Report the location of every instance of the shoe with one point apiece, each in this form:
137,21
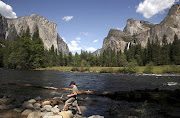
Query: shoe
79,113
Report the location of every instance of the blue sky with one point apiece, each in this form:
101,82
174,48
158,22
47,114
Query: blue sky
85,23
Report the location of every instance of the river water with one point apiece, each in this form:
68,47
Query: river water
84,81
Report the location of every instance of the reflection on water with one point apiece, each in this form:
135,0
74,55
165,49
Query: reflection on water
84,81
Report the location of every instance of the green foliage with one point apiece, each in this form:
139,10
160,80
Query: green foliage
149,68
171,69
28,52
24,53
143,110
132,67
75,69
107,70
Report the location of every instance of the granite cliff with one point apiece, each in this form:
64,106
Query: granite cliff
10,28
137,32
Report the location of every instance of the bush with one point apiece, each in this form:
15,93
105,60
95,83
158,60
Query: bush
108,70
75,69
121,70
149,68
132,67
171,69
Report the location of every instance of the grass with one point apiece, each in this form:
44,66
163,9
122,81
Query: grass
156,69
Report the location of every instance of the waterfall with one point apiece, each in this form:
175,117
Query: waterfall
128,45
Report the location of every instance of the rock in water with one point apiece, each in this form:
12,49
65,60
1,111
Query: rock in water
46,103
27,105
66,114
26,112
32,101
5,107
37,106
18,109
55,110
47,108
96,116
47,30
5,101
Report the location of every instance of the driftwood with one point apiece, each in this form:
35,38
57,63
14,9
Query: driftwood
52,88
136,95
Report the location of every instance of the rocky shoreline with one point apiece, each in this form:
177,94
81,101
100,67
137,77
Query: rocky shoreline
38,108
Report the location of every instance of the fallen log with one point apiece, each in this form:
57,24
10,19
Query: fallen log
154,95
52,88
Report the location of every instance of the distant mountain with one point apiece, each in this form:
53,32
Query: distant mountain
137,32
10,28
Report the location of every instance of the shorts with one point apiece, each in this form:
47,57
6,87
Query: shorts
72,101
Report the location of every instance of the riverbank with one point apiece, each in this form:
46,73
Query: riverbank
10,107
167,69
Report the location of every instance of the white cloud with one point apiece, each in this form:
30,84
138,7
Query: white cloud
95,41
151,7
6,10
78,39
84,33
74,45
67,18
91,49
64,39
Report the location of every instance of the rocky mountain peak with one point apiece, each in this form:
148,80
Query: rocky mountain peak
173,17
135,27
146,24
137,32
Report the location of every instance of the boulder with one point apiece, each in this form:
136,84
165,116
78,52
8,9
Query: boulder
47,108
32,101
132,117
55,116
27,105
66,114
37,106
38,98
96,116
18,109
55,110
5,107
26,112
5,100
36,114
46,103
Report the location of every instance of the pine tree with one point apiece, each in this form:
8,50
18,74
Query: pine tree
175,51
165,58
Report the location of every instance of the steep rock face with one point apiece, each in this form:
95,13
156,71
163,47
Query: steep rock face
62,46
3,26
116,40
135,27
137,32
97,52
47,31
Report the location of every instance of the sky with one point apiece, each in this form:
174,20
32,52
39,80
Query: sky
83,24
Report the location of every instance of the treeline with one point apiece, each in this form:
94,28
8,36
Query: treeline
24,52
27,52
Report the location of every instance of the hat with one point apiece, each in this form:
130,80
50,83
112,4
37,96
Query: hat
72,82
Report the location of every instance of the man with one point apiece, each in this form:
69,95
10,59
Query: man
72,97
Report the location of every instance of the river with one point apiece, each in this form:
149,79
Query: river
84,81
